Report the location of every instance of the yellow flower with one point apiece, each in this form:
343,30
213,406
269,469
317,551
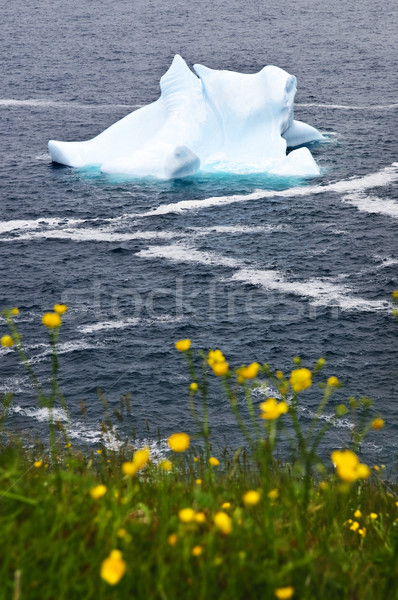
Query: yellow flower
38,464
362,531
284,593
279,374
373,516
357,514
121,532
214,461
195,458
251,498
272,410
376,468
141,458
377,424
129,468
395,294
321,361
273,494
166,465
333,381
15,311
249,372
223,522
193,387
348,467
51,320
113,568
200,517
354,526
172,539
7,341
226,505
179,442
98,491
215,356
183,345
197,550
300,379
60,308
220,368
186,515
99,451
198,482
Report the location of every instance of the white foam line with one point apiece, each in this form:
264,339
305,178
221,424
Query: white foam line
380,178
236,229
93,235
320,292
347,106
128,322
43,103
27,224
372,204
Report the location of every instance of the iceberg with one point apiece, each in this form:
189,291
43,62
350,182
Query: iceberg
210,120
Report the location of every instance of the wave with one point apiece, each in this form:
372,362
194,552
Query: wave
93,433
27,224
47,103
372,204
93,235
347,106
356,184
129,322
319,291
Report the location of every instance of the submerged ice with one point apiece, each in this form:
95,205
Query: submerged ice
217,121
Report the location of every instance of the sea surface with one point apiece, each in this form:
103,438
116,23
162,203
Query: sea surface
261,267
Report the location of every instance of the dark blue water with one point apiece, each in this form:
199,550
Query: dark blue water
279,273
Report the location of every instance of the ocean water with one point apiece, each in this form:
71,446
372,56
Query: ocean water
263,268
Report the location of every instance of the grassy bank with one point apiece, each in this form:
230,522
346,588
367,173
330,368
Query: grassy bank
201,523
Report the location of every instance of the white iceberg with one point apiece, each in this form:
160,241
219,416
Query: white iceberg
217,121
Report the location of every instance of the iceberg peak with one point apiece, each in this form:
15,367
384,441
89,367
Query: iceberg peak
212,120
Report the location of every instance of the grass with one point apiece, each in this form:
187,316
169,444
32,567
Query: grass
307,530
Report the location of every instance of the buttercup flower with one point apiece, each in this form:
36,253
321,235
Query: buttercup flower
395,294
113,568
357,514
172,539
333,381
251,498
377,424
197,550
38,464
272,410
51,320
7,341
284,593
215,356
300,379
200,517
98,491
354,526
183,345
273,494
373,515
129,468
249,372
141,458
223,522
193,387
60,308
226,505
166,465
186,515
15,311
214,461
348,467
179,442
220,368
